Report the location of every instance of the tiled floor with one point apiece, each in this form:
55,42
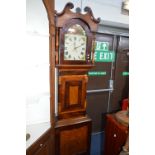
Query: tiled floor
97,143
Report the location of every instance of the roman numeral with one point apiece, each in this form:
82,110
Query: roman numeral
66,53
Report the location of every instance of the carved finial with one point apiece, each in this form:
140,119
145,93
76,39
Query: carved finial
78,10
88,10
68,6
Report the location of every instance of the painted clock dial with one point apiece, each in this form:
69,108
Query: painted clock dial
75,43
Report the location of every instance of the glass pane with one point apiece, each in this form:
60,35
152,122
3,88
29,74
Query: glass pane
76,29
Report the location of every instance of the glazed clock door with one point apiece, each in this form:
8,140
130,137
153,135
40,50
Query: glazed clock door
76,42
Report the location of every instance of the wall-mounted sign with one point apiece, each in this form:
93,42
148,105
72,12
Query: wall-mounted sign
102,46
125,73
102,53
104,56
97,73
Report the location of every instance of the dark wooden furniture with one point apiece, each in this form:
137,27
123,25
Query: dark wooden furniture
73,136
115,136
42,146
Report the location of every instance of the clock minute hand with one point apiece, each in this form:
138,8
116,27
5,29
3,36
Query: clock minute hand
77,47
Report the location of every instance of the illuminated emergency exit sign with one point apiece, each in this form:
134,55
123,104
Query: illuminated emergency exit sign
102,46
102,53
125,73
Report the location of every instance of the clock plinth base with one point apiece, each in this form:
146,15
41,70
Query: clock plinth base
73,136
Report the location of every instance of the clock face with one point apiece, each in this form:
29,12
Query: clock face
75,47
75,44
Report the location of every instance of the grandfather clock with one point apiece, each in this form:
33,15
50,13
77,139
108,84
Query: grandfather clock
75,42
74,56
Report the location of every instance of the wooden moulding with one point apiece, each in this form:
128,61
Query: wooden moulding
72,72
75,66
49,5
71,121
67,14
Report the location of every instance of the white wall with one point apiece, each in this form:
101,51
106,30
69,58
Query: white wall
37,79
36,17
37,69
37,56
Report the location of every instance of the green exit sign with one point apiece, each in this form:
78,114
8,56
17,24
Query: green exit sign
104,56
102,53
102,46
125,73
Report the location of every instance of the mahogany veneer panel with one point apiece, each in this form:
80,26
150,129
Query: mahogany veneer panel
73,136
72,95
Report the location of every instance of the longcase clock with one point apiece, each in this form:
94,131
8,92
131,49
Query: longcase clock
75,38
